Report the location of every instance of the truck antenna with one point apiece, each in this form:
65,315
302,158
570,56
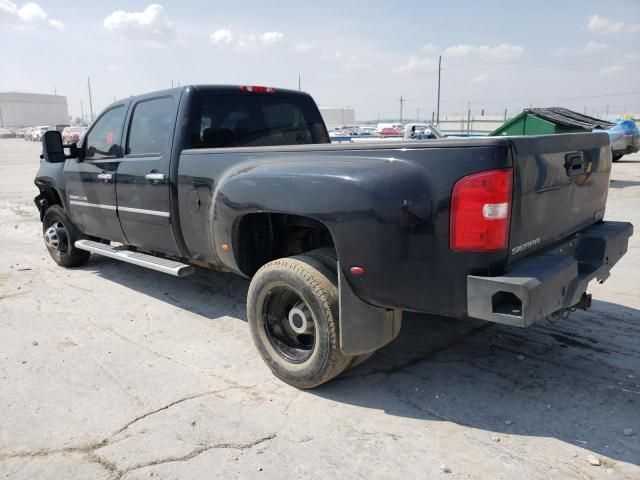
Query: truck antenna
438,103
90,99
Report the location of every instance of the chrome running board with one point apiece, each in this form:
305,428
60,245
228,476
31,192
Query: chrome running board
158,264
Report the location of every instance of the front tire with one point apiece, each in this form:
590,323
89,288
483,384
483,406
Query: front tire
292,307
616,156
60,237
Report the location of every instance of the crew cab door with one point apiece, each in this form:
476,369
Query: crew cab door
143,183
90,180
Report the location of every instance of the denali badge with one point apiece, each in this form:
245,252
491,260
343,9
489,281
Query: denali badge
524,246
77,197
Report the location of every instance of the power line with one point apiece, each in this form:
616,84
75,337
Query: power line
619,94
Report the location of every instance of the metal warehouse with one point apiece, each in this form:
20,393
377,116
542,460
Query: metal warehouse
31,109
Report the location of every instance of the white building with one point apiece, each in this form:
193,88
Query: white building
338,117
31,109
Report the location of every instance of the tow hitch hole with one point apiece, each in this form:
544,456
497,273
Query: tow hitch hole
506,303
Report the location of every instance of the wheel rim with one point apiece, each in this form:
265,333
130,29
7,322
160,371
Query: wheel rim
56,238
289,324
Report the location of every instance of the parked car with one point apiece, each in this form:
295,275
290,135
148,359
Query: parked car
625,138
338,240
21,132
72,134
422,131
37,132
391,132
6,133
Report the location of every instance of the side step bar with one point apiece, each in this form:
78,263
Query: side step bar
158,264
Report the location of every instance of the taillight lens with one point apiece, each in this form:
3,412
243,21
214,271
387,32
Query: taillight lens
480,212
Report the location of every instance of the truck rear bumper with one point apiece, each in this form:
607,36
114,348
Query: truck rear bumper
549,281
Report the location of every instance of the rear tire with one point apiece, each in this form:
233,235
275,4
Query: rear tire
60,236
277,291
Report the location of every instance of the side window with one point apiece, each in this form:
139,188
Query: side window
104,139
151,127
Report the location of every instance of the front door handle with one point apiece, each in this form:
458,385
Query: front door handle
155,176
105,176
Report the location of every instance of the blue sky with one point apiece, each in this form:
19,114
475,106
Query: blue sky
361,54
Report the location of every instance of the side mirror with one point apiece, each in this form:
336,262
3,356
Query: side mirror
52,149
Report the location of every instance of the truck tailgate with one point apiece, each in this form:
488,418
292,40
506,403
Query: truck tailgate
560,187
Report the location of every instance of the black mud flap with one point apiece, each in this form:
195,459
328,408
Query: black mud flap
364,328
555,279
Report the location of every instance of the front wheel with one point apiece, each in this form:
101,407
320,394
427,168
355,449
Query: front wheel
292,307
616,156
59,238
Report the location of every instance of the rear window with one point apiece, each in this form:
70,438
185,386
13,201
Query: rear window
240,119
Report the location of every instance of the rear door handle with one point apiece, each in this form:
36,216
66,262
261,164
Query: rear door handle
155,176
105,176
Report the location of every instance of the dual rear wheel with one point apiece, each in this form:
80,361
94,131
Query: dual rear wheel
293,314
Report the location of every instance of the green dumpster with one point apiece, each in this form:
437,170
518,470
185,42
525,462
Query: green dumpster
547,121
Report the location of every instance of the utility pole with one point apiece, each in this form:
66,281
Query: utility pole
607,110
90,100
401,105
55,90
172,83
505,114
82,112
438,104
299,83
468,117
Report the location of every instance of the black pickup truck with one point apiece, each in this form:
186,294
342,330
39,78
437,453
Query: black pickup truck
338,240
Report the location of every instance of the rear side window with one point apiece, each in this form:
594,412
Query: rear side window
248,119
104,139
151,127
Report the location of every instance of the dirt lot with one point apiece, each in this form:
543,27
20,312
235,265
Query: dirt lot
113,371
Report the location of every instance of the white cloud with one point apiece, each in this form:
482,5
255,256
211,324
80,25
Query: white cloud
482,78
222,36
271,37
611,70
225,37
503,51
29,14
302,47
429,48
8,7
57,24
32,12
588,48
598,24
151,26
416,64
592,47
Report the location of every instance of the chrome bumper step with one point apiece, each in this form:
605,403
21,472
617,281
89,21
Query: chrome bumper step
123,254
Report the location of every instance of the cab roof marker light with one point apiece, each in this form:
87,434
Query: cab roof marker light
257,89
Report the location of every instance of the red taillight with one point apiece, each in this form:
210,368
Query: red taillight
480,212
257,89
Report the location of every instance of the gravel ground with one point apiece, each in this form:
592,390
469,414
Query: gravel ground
114,372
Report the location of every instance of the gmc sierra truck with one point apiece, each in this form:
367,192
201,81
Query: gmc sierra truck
338,240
